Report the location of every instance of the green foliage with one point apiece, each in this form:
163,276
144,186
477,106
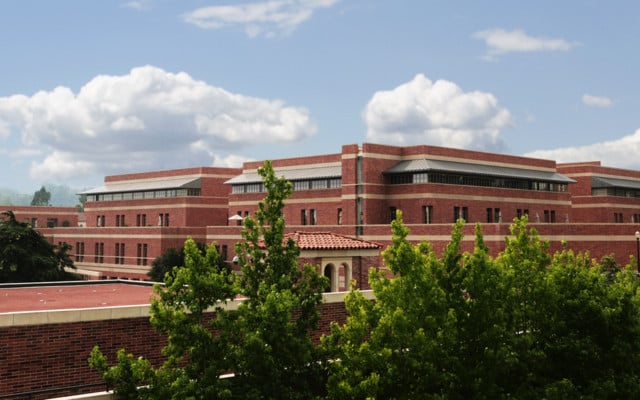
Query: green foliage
172,258
27,256
41,197
125,376
525,325
275,355
265,343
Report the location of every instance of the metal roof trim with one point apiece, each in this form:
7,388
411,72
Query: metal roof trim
603,182
290,174
161,184
476,169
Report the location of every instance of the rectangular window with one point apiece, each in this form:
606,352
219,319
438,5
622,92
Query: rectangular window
392,213
138,219
117,253
546,216
144,253
497,214
313,220
339,216
553,216
489,215
319,184
460,213
139,254
427,214
303,217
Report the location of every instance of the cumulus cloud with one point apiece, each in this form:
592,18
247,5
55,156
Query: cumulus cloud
500,41
596,101
268,18
621,153
437,113
148,118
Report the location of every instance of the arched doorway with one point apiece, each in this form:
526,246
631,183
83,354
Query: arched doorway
331,274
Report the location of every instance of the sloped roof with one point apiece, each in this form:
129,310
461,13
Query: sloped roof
155,184
605,182
424,165
329,241
330,171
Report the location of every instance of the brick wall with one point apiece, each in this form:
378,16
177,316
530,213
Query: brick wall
49,356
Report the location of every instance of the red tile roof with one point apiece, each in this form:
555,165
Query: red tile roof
329,241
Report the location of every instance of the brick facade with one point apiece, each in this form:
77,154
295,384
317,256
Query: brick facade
361,206
43,356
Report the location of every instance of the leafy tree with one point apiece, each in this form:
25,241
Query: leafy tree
265,343
172,258
525,325
27,256
41,197
274,354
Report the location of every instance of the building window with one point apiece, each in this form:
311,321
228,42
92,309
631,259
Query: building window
392,214
303,217
635,218
313,217
119,256
142,253
547,216
521,212
427,214
494,215
163,219
120,220
460,213
339,216
618,217
99,252
80,251
141,220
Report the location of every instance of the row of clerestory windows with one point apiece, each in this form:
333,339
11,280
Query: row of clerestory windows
476,180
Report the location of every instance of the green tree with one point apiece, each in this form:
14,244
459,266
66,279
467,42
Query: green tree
265,343
172,258
525,325
271,343
41,197
27,256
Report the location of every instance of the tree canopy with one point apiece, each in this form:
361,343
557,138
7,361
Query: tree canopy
41,197
525,324
27,256
265,343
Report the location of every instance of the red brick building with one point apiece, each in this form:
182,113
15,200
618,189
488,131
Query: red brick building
42,217
355,193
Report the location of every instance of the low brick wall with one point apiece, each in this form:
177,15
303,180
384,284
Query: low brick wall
47,350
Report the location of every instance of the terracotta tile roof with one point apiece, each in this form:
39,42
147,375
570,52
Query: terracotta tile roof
329,241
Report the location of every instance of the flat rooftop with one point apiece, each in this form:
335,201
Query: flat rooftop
73,295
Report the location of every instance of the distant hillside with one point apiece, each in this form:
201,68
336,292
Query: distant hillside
61,195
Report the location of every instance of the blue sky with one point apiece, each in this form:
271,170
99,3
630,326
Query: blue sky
95,88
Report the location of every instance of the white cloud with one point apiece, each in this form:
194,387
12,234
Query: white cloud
146,119
267,18
501,41
437,113
621,153
596,101
140,5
